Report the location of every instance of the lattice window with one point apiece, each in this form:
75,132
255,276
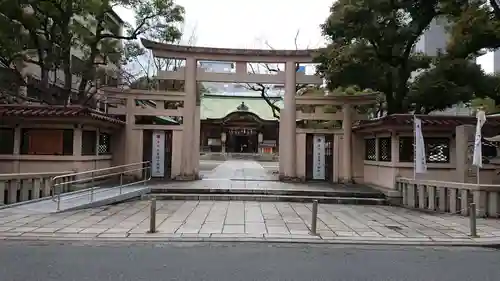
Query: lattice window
104,144
384,149
370,149
437,150
406,149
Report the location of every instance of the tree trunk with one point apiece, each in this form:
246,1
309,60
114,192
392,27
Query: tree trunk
66,51
44,85
402,89
389,98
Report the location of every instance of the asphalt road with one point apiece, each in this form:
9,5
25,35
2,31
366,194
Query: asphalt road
27,261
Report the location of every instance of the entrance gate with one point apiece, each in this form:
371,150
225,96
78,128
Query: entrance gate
163,153
326,153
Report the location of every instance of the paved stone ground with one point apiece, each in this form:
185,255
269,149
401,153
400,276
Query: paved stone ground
240,170
256,185
237,220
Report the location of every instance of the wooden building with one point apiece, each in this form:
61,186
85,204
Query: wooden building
238,124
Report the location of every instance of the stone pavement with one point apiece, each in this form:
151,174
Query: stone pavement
255,221
277,187
242,170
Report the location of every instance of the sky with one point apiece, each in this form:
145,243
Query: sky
258,24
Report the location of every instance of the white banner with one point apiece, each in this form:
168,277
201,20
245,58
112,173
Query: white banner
158,157
319,157
478,153
420,157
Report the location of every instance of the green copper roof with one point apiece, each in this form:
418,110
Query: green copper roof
218,106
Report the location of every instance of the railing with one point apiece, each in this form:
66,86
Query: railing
15,188
450,197
63,183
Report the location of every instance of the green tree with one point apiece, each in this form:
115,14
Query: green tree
474,29
31,36
11,57
371,45
151,16
54,28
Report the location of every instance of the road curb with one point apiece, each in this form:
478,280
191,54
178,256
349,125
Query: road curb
373,242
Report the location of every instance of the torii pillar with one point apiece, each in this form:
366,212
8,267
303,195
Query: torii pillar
288,121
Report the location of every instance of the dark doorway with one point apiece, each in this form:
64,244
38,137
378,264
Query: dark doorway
147,150
243,143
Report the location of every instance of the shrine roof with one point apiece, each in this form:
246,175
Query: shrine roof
444,121
54,111
218,106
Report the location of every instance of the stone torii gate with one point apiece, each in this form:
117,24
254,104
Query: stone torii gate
191,75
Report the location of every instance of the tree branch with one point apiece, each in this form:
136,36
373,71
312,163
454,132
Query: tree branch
496,8
296,39
133,35
259,87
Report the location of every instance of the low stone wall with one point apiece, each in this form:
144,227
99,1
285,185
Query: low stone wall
450,197
18,187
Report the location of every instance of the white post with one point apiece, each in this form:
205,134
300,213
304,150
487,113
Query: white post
478,155
414,148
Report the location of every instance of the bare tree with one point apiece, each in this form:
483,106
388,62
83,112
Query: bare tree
272,68
142,66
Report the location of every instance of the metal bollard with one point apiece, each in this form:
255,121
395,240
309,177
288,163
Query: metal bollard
152,216
121,183
59,202
472,216
145,176
92,188
314,217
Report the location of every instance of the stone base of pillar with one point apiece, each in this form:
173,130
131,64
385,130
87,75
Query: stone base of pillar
346,181
394,201
284,178
193,177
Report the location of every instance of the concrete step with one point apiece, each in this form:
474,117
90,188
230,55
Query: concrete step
271,192
269,198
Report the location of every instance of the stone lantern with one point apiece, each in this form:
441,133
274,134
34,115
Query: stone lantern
223,141
261,140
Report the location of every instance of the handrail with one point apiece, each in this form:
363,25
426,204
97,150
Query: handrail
92,178
99,170
54,184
